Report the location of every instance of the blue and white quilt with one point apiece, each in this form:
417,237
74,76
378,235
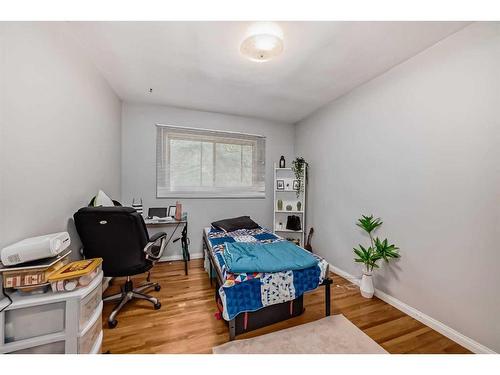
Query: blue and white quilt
245,292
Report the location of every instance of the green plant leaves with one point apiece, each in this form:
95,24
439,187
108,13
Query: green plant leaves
298,166
368,223
368,257
380,249
385,250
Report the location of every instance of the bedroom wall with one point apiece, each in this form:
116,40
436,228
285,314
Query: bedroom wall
139,164
60,131
419,147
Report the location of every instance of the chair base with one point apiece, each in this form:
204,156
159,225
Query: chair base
127,294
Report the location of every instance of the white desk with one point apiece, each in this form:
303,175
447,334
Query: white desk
163,221
158,223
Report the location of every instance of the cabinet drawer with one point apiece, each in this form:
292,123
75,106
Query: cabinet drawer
88,305
57,347
34,321
88,338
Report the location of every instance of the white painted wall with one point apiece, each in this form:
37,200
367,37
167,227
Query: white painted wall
139,164
60,131
420,147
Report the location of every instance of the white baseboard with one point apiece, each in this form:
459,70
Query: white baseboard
438,326
171,258
345,275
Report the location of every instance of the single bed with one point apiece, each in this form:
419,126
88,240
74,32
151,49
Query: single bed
252,300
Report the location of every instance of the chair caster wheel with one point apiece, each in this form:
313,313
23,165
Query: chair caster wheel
157,288
113,323
157,306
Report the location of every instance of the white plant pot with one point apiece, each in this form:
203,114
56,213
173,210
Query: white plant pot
366,286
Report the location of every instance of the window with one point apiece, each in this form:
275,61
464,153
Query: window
202,163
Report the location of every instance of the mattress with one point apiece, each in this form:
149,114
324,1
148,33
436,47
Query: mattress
246,292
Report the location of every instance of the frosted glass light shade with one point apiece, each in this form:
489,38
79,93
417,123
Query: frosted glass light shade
263,41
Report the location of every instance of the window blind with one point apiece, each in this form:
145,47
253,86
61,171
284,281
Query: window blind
201,163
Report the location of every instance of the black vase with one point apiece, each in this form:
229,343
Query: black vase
282,162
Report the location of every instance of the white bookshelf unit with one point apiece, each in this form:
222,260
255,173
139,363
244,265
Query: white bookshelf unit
288,196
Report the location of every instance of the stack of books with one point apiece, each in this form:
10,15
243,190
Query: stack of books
33,276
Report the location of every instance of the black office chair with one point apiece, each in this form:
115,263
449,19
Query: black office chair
119,236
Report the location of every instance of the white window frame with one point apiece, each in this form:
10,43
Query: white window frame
166,132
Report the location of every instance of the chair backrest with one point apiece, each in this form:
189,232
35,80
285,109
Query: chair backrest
116,234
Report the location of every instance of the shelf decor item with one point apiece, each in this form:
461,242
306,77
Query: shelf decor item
178,211
282,162
299,166
280,184
137,206
299,205
280,205
289,207
369,257
293,223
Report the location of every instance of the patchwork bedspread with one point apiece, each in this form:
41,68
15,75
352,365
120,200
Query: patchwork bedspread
242,292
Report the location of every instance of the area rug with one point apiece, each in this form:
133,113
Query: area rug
330,335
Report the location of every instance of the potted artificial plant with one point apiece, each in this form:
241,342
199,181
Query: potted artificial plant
299,165
370,256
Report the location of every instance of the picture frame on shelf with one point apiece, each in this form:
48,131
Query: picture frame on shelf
172,211
280,184
296,185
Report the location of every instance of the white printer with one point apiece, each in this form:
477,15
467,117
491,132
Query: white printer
35,248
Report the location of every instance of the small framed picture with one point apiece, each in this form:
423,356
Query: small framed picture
296,185
171,211
280,184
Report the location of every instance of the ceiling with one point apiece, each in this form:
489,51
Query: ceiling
198,65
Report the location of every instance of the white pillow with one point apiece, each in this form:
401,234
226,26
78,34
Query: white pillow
101,199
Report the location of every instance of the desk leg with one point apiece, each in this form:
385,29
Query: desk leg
187,245
185,252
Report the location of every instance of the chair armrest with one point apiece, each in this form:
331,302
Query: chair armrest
148,249
157,236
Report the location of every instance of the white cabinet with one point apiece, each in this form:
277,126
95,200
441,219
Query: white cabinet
54,322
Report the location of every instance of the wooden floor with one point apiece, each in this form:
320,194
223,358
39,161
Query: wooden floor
186,322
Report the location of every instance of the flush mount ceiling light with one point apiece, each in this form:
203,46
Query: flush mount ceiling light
263,42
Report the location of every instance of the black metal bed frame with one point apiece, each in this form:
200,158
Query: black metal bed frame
232,323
